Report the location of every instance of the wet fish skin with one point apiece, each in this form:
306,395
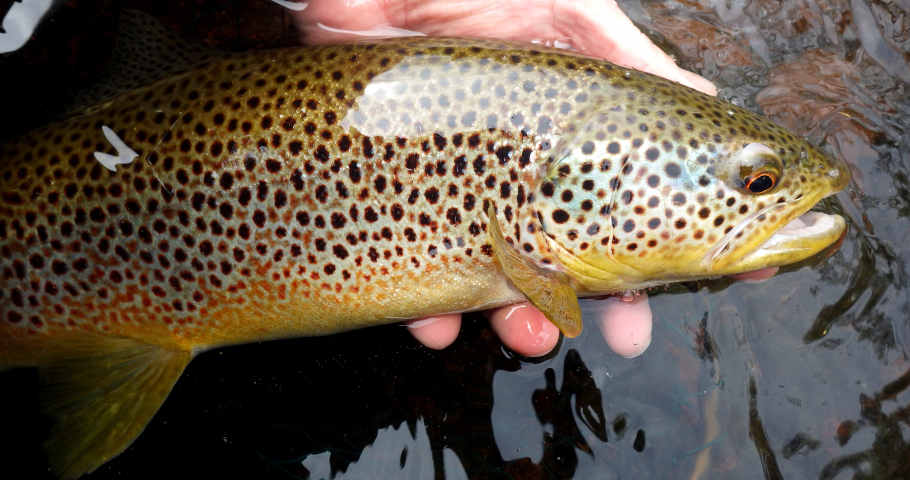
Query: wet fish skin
313,190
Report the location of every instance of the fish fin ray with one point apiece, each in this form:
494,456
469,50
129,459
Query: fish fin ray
550,291
101,394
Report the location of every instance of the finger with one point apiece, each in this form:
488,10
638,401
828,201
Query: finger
600,28
626,325
524,329
756,276
522,20
339,15
466,18
436,332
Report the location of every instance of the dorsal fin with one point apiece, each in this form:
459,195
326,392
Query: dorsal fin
144,52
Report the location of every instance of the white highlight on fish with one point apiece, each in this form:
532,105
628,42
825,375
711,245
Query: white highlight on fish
754,149
125,154
295,6
20,21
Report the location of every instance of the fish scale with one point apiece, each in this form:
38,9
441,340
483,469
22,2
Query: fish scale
312,190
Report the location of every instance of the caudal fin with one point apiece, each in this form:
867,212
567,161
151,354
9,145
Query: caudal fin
101,394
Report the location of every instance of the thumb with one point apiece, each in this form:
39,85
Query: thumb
600,28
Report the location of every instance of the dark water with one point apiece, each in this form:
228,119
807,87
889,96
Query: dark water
804,376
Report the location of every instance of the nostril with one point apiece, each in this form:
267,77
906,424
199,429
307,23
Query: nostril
839,175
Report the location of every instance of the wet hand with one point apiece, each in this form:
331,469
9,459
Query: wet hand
592,27
624,321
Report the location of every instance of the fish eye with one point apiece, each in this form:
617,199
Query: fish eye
760,182
755,169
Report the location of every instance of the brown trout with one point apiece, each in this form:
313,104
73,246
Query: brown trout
318,189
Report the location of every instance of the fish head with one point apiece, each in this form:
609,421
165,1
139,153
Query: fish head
652,194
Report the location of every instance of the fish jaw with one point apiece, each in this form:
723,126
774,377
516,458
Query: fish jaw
799,239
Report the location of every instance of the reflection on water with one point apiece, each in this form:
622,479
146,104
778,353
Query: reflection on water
805,376
886,456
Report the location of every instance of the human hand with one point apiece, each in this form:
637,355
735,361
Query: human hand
592,27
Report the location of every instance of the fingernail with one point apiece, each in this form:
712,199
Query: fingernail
756,276
423,322
699,83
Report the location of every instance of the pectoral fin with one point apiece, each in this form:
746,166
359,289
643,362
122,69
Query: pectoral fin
549,290
101,395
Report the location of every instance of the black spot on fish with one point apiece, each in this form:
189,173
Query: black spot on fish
560,216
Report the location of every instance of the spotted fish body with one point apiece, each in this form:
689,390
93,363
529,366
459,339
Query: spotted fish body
318,189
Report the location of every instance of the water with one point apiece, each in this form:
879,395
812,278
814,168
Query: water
804,376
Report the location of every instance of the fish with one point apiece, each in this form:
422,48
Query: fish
317,189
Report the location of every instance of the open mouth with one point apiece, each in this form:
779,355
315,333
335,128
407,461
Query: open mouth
799,239
809,224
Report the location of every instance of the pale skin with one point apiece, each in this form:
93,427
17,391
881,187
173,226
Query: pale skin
593,27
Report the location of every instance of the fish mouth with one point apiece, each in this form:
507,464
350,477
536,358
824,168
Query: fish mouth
799,239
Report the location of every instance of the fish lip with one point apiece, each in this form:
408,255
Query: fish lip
810,225
802,237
